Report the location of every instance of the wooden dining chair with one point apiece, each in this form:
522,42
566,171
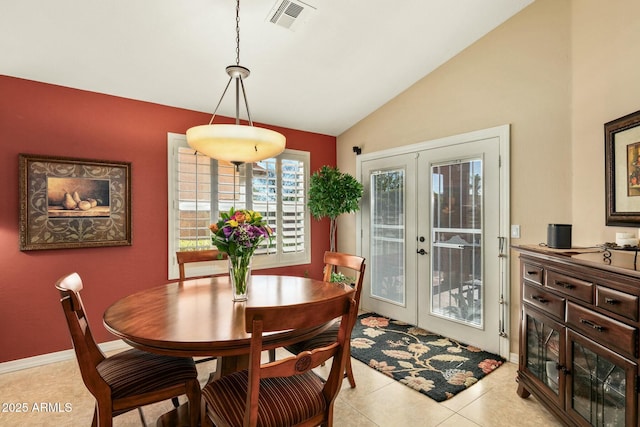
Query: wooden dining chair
187,257
127,380
285,392
343,263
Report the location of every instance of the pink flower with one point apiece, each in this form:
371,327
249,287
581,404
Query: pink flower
457,377
382,367
488,365
418,383
375,322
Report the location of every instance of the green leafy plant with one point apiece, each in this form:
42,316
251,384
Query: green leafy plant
338,277
331,194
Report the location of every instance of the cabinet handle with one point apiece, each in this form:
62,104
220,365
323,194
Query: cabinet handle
541,300
610,301
532,273
562,369
592,325
565,285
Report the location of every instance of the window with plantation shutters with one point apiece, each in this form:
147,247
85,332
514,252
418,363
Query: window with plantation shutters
200,188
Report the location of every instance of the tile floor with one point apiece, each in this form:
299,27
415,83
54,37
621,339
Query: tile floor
376,401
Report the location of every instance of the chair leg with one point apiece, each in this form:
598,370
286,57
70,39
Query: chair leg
349,373
195,401
205,421
272,355
104,414
144,422
175,401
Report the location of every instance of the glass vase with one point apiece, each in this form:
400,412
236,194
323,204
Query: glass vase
240,276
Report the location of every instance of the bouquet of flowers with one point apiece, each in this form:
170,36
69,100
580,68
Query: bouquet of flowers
238,233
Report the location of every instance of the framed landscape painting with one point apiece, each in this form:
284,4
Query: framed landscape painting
73,203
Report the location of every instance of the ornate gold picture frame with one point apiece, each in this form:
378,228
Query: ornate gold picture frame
73,203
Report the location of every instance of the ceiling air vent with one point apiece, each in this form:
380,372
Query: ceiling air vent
289,13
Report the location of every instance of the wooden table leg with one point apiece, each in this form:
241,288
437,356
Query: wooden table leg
175,418
230,364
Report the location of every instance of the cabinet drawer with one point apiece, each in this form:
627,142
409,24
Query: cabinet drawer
609,332
577,288
533,273
617,302
545,301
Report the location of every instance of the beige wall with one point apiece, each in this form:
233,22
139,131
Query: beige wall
556,72
606,85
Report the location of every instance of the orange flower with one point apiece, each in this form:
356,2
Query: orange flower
214,228
240,217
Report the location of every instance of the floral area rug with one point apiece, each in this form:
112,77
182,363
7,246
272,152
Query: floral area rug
430,363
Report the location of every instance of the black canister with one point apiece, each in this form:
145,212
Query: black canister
559,236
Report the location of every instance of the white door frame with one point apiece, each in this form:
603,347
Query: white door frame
503,134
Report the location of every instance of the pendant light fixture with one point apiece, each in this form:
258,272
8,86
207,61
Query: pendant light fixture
236,143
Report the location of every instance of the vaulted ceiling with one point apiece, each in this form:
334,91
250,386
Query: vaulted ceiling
321,70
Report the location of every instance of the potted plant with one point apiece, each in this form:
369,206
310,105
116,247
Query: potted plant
331,194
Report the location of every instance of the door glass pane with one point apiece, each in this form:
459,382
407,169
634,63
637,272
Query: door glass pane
456,252
598,388
387,235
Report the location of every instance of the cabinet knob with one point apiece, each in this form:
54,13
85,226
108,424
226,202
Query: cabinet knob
562,369
611,301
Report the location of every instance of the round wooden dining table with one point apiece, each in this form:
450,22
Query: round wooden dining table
198,317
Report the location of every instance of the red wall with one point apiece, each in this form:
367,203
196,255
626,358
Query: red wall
44,119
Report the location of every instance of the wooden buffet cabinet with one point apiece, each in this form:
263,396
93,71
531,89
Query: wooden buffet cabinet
579,334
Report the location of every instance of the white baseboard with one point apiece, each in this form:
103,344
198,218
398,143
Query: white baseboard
58,356
513,358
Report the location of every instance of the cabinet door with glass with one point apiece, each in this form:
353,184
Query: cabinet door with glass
601,387
543,353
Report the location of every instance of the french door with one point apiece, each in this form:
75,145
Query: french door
431,233
388,238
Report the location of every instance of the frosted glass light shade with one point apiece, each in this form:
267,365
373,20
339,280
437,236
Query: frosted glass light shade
236,143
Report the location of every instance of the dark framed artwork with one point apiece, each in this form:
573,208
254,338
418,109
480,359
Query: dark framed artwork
622,170
73,203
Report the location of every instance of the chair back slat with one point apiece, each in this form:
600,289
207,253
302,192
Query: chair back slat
187,257
301,363
298,316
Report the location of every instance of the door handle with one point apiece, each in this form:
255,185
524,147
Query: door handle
422,252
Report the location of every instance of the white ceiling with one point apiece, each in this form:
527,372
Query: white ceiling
342,62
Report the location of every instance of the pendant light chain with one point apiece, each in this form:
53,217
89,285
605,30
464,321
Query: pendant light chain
238,32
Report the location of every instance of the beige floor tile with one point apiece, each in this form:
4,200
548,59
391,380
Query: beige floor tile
501,406
345,415
457,421
502,376
398,405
